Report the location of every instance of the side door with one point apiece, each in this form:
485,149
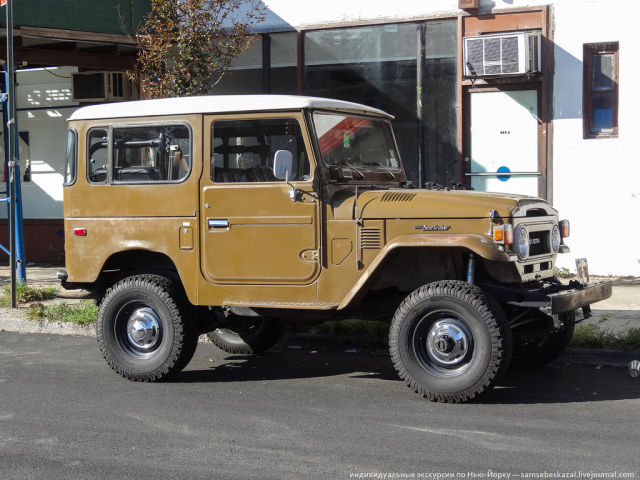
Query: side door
253,233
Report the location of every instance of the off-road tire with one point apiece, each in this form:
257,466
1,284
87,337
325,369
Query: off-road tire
540,351
420,334
255,336
165,305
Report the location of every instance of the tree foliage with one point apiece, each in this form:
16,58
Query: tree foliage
186,46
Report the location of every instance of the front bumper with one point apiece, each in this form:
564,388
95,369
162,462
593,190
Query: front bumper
551,298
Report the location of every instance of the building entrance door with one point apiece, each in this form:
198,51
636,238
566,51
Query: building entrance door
504,141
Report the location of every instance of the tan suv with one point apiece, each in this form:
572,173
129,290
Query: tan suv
233,214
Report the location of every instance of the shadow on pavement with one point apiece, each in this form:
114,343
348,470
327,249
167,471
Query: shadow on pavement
556,383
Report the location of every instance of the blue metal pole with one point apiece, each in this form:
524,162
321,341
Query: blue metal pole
11,91
21,270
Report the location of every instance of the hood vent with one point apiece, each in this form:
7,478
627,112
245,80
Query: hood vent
370,238
398,197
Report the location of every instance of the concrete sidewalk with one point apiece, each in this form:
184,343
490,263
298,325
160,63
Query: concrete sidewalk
617,314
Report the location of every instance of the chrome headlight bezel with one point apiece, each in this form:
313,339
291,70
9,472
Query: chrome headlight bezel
521,242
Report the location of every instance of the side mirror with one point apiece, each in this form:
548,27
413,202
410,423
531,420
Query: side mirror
282,162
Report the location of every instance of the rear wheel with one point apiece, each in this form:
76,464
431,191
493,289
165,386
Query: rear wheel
449,341
141,329
248,335
539,341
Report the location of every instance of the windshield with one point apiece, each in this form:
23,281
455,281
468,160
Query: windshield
359,142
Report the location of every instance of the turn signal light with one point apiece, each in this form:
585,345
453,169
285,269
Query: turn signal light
80,232
565,229
503,234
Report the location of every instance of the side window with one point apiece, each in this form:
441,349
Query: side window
71,158
97,155
243,150
151,154
600,90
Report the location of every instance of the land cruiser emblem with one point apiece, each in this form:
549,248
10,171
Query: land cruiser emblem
433,228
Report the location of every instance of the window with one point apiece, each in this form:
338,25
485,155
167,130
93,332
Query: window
355,141
600,90
98,155
243,150
71,158
406,69
141,154
151,154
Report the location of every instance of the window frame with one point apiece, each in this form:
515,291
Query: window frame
590,50
74,177
88,156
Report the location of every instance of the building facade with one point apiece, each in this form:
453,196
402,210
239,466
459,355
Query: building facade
466,113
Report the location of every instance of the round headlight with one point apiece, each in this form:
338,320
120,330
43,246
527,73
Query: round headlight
555,238
521,242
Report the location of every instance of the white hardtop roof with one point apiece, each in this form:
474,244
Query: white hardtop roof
218,104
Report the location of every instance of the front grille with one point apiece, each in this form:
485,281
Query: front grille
539,243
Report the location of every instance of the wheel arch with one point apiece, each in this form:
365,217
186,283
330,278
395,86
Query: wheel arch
128,262
421,259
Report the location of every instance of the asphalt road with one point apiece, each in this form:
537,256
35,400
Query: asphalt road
293,414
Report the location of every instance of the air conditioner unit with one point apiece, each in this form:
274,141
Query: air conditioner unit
506,54
101,87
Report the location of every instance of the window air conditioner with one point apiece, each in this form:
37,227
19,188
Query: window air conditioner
506,54
101,87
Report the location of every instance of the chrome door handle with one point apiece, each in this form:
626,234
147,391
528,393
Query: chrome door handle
218,223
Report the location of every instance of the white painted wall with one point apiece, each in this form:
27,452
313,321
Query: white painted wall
596,182
37,89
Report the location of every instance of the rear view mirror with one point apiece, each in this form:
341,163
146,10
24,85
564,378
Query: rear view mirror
282,162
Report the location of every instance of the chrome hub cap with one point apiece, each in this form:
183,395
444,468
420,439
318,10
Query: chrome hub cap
143,329
448,343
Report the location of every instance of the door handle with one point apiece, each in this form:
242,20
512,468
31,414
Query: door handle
219,223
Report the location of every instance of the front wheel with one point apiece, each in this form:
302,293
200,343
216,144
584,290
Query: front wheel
141,329
449,341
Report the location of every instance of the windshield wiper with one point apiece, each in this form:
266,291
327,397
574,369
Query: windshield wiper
356,170
385,168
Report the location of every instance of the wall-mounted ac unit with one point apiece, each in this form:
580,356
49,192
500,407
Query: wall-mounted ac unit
101,87
506,54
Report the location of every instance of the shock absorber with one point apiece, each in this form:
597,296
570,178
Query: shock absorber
471,268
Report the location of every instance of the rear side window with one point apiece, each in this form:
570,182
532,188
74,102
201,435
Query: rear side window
151,154
71,158
139,154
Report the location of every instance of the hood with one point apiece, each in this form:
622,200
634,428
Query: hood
438,204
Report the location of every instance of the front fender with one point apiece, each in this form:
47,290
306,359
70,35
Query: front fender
478,244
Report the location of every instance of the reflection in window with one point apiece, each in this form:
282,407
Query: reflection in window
600,90
355,141
243,150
